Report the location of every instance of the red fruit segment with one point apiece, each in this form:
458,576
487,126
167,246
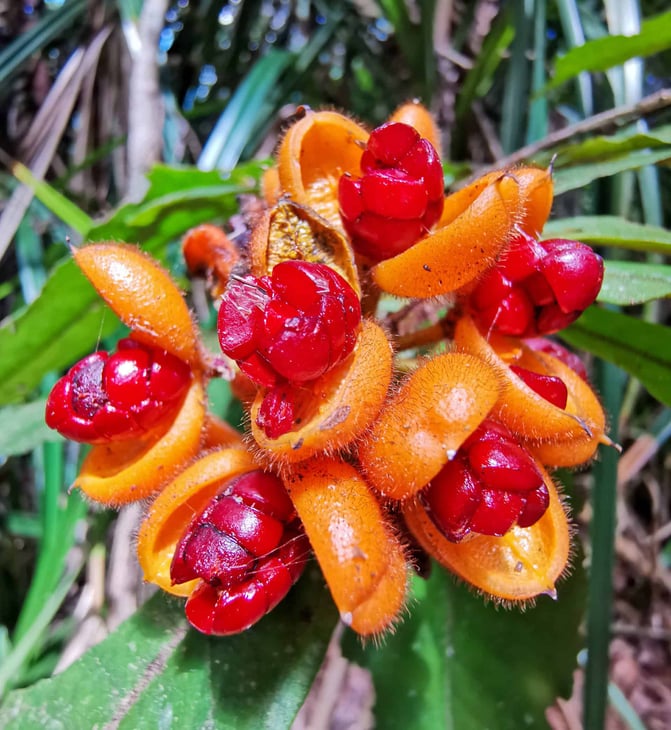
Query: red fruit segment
538,287
399,196
120,396
292,326
552,388
490,485
247,548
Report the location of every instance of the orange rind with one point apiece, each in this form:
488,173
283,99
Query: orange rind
143,296
575,430
120,472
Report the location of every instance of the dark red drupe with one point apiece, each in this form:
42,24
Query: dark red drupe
120,396
288,329
490,485
247,548
399,196
539,287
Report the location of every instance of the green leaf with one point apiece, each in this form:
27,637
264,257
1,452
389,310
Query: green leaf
178,199
629,282
578,176
459,662
39,36
57,203
604,53
154,672
601,148
62,325
247,108
609,230
24,428
641,348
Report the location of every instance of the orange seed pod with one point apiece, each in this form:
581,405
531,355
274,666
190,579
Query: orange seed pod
172,511
209,252
521,565
314,153
436,409
143,296
120,472
362,561
580,426
419,117
454,255
336,408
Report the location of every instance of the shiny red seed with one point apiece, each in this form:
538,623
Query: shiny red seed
120,396
574,272
247,548
490,485
504,465
399,196
550,387
544,344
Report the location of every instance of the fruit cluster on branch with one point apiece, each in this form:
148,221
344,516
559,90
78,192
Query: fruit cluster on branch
369,438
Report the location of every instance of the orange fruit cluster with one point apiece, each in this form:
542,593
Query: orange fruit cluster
370,434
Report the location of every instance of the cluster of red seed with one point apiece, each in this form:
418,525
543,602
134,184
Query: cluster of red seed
238,544
286,330
246,548
399,196
539,287
118,396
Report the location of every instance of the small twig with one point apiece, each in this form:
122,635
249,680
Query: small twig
627,112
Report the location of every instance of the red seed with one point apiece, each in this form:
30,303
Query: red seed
490,485
120,396
399,196
550,387
248,550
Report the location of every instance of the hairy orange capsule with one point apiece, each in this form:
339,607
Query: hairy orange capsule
143,296
521,565
436,409
119,472
456,254
172,512
291,232
565,437
333,410
419,117
209,252
314,153
362,560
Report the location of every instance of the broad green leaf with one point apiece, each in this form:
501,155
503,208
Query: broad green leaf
178,199
459,662
154,672
608,230
24,428
604,53
578,176
641,348
631,282
62,325
599,149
